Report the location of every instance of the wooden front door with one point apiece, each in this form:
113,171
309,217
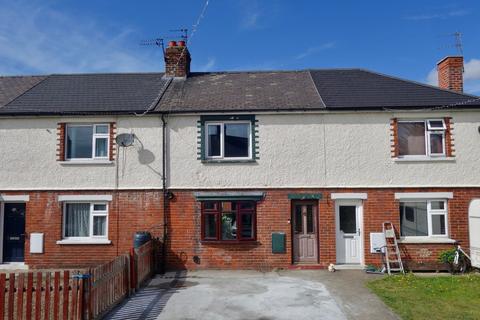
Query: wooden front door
305,244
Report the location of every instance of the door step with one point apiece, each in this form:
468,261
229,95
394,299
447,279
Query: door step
8,266
349,267
306,267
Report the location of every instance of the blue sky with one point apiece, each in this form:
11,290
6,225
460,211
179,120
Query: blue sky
400,38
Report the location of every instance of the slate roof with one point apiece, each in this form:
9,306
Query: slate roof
12,87
363,89
329,89
242,91
89,94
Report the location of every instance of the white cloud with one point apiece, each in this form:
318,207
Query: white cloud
35,38
439,15
313,50
208,66
471,76
251,14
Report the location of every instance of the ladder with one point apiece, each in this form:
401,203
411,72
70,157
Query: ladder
392,253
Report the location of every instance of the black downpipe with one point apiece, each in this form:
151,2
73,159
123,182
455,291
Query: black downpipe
165,194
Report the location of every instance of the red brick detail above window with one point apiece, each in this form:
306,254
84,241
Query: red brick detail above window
394,138
449,141
113,145
61,142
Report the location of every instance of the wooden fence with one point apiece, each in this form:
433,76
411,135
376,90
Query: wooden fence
74,294
143,264
41,295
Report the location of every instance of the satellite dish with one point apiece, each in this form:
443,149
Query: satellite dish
125,139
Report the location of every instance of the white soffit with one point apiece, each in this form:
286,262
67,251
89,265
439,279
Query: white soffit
349,196
423,195
85,197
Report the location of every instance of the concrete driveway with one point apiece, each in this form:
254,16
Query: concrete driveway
253,295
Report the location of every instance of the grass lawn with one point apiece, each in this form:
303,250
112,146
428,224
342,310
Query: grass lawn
440,297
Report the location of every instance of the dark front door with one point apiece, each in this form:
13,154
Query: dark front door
14,232
305,245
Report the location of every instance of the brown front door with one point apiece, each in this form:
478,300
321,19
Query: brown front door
305,246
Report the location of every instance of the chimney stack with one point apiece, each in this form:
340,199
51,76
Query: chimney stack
177,60
450,73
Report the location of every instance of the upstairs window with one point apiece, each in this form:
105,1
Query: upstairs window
87,141
227,138
421,138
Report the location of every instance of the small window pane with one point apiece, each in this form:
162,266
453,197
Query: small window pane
247,205
436,143
99,225
438,224
436,124
411,138
348,219
210,226
79,142
229,226
213,136
438,205
228,206
310,221
99,207
77,219
101,129
210,205
101,147
236,139
298,219
247,226
413,219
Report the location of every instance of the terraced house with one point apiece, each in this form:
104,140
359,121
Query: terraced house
236,169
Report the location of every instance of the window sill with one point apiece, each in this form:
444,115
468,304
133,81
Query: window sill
424,159
425,240
232,242
86,241
86,162
229,161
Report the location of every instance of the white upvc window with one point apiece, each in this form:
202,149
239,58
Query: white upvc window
87,141
421,138
85,220
231,140
423,218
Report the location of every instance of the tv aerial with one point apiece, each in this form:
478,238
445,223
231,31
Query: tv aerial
160,42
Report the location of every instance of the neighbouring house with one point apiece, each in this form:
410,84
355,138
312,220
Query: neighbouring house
257,169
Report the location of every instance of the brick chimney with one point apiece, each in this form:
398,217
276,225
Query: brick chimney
177,60
450,73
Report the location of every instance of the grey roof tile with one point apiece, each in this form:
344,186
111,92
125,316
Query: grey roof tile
12,87
89,93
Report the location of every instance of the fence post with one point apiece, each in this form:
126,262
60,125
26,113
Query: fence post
86,295
133,270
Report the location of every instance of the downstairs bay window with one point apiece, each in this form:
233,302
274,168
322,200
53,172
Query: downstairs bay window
85,221
228,221
423,218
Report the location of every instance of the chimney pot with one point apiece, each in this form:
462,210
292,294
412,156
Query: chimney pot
172,44
450,73
181,43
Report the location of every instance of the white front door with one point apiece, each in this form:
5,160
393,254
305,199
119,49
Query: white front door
349,221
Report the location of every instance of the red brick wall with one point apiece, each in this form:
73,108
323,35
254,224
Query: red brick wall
142,210
273,214
450,73
139,210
